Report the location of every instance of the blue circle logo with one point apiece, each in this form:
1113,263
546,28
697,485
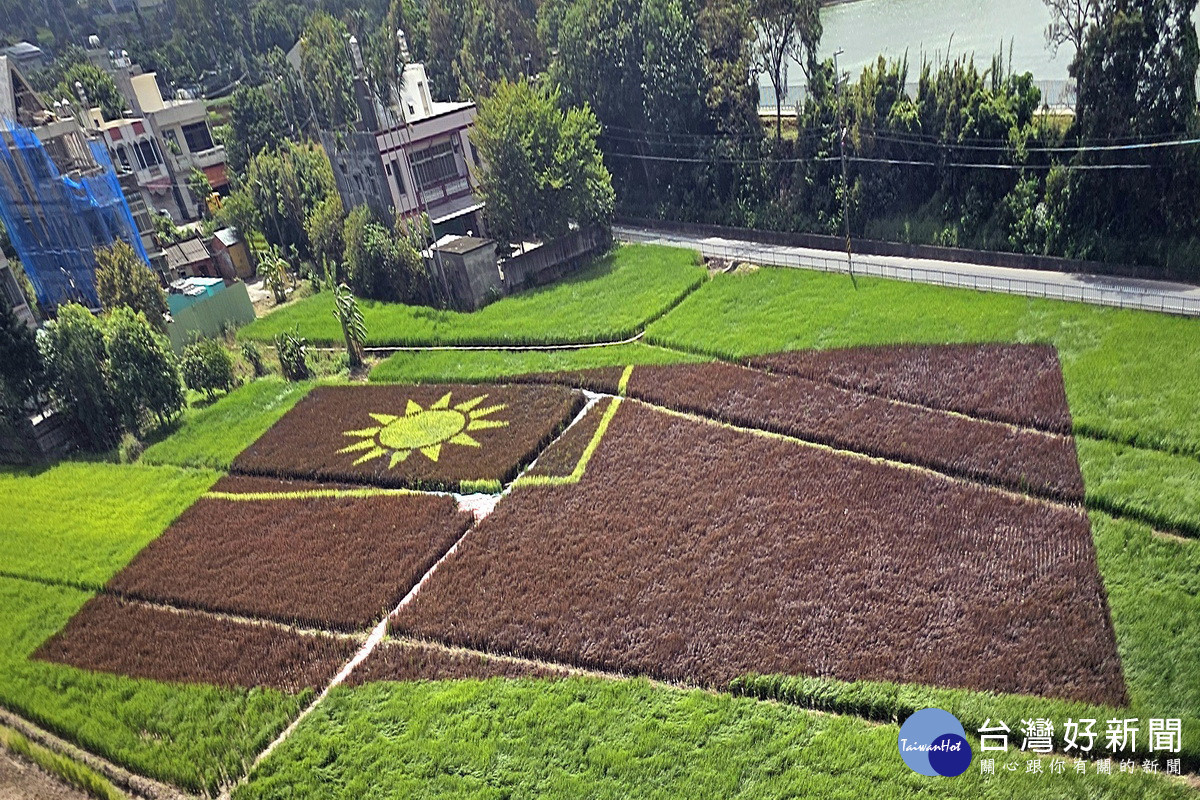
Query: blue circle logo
932,742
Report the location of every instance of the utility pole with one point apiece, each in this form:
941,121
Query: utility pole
837,85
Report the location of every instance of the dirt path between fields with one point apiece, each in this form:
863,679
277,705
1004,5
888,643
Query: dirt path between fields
23,780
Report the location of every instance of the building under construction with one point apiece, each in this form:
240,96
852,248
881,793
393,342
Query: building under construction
59,195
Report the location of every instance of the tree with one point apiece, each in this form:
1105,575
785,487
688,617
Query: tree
381,263
123,279
349,316
544,169
273,269
257,123
326,68
57,82
208,367
75,356
21,373
1069,22
499,42
787,30
142,369
727,30
200,188
323,227
293,356
282,187
1135,78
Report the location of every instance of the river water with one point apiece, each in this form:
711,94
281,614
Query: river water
864,29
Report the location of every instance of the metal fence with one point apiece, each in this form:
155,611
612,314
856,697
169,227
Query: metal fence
1117,297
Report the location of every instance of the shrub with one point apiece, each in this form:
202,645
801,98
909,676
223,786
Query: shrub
254,358
293,356
207,367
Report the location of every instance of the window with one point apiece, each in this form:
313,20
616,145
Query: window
475,154
147,154
197,137
434,165
122,156
398,176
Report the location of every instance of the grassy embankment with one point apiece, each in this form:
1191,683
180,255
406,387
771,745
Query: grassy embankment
609,300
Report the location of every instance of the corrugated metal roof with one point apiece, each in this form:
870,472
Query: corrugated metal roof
186,252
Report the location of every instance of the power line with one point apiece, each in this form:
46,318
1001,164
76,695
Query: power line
887,161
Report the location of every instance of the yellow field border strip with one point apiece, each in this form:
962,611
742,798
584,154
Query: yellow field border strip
580,467
308,494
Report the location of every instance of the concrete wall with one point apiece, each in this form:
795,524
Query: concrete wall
358,171
554,258
228,308
473,277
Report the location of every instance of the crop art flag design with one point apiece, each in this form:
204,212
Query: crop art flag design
423,430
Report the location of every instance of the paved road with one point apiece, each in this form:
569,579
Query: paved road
1175,298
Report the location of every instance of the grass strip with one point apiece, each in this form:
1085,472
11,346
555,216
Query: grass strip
884,701
1130,376
309,494
474,366
79,523
1160,489
621,740
70,771
212,436
610,300
193,736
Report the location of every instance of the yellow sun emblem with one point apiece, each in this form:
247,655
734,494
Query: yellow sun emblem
423,429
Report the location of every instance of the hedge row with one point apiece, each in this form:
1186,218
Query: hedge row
694,552
1016,383
111,635
330,562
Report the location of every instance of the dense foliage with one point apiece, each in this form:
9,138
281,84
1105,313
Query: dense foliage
544,168
123,279
208,367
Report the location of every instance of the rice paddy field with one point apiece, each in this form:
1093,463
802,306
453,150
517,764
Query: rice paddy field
727,559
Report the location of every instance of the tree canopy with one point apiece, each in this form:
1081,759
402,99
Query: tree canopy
544,167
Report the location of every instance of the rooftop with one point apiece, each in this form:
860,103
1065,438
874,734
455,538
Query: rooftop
465,244
186,252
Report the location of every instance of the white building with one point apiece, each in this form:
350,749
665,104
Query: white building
413,156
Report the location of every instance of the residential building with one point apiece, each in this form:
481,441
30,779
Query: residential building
159,140
411,156
60,198
26,56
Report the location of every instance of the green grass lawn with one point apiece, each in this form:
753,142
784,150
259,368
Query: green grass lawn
612,299
1155,487
194,736
214,435
1130,375
590,738
79,523
435,366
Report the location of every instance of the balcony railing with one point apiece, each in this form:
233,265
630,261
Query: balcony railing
448,189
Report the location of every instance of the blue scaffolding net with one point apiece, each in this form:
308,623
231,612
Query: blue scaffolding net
55,222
